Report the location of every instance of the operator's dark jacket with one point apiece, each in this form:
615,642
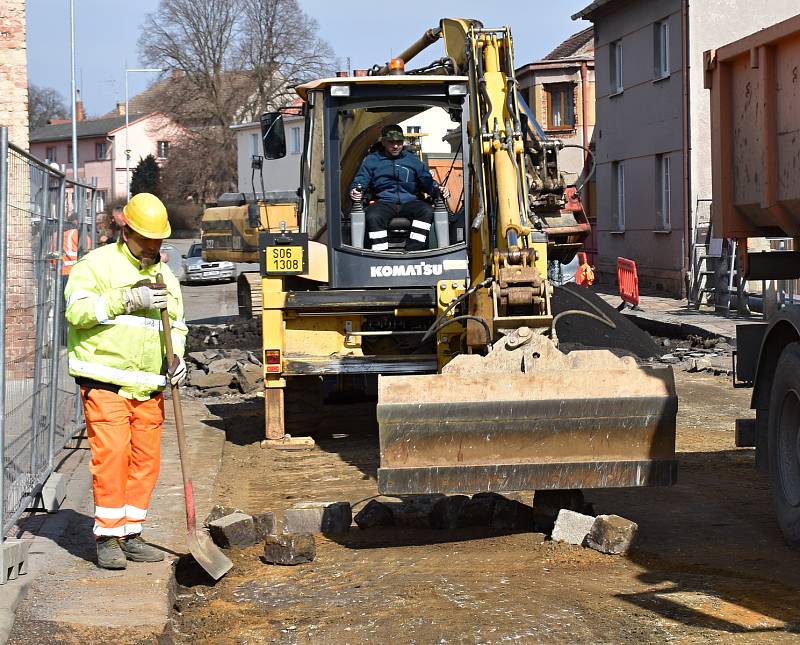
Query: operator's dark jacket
395,179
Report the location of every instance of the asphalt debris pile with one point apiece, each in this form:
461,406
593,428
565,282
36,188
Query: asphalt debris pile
624,338
698,354
221,372
241,334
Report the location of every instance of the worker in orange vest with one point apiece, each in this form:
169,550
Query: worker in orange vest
584,276
70,253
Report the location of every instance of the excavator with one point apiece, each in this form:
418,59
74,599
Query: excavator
474,392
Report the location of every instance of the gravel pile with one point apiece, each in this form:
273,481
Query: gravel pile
574,332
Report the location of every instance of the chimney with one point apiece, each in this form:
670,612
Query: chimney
80,113
121,109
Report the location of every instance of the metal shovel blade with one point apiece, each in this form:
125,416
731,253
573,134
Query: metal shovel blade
207,554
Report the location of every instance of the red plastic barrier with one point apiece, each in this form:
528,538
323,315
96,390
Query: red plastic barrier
628,281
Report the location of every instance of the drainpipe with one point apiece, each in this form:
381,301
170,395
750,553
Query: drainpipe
112,153
688,236
584,110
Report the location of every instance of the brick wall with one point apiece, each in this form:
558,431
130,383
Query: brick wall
20,284
14,71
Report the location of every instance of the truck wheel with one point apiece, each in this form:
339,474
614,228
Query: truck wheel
303,404
784,442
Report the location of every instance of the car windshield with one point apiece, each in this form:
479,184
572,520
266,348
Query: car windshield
196,251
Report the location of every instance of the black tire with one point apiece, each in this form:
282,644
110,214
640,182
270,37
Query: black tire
302,405
784,442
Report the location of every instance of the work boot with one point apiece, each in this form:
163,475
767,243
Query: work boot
136,549
109,553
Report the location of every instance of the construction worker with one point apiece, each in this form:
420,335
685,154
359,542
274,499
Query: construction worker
584,275
396,176
115,354
69,256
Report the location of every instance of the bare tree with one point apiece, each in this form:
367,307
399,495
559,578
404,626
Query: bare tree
44,103
230,61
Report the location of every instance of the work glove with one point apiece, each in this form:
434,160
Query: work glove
177,371
152,296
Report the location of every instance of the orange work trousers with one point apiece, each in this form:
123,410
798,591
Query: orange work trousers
125,438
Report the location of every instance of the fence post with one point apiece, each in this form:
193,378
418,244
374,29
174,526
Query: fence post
93,212
59,296
41,255
3,277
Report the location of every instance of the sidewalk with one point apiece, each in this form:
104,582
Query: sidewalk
664,316
65,596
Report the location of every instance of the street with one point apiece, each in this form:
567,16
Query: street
213,302
711,565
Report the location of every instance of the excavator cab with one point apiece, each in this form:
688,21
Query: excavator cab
343,123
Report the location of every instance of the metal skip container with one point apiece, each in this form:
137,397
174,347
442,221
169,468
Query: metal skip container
532,418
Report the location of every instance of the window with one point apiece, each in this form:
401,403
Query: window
615,51
618,171
661,49
101,197
162,149
560,106
69,154
255,139
663,192
51,155
413,129
295,141
100,150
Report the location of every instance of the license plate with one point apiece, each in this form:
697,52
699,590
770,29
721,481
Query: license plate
284,259
209,274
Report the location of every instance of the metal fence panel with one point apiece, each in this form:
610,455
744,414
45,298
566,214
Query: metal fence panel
39,406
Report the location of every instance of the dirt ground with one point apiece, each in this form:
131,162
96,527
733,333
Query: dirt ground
711,565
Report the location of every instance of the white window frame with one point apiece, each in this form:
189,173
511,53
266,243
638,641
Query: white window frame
661,49
255,141
663,192
54,156
159,149
296,141
618,170
99,147
101,198
615,66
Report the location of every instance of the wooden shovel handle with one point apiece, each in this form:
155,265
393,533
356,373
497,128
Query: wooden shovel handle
191,515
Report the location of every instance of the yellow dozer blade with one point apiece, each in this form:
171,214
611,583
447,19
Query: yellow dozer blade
527,417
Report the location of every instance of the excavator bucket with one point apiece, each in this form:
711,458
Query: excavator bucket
529,418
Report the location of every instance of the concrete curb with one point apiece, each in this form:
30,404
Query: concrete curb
656,324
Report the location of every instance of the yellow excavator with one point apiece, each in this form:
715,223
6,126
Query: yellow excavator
474,393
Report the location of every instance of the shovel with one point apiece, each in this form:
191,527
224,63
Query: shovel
207,554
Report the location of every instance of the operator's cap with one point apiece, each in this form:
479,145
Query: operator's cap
392,133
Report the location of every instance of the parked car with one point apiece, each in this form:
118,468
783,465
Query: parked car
173,259
195,269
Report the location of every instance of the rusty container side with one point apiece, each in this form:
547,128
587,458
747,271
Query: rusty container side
755,133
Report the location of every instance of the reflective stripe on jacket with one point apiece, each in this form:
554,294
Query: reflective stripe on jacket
104,343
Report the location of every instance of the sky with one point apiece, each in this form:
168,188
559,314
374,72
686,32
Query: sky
107,31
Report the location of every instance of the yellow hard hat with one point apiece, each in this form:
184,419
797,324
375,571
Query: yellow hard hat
146,214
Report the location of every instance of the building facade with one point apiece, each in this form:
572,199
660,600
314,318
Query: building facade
652,134
559,89
101,148
14,72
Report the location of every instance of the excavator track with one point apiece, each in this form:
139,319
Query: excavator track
248,288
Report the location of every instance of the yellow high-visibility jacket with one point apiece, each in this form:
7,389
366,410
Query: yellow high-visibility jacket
105,344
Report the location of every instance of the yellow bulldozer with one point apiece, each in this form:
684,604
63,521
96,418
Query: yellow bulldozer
474,393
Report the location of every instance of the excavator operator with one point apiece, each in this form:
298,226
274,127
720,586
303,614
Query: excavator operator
396,176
